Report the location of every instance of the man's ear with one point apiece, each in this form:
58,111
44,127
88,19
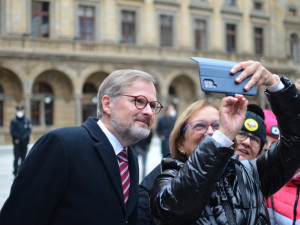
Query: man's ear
107,104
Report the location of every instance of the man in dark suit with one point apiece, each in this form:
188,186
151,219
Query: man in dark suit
72,175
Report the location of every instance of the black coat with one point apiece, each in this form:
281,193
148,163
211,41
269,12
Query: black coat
20,130
144,216
213,187
71,176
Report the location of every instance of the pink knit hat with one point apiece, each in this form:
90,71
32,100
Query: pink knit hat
271,123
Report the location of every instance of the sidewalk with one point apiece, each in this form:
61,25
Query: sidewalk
6,176
6,166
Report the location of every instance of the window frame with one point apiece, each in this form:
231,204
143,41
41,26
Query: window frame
51,12
85,19
42,112
258,38
235,42
125,26
97,18
294,44
204,44
138,32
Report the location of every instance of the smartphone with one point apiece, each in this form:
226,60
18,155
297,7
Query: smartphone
215,76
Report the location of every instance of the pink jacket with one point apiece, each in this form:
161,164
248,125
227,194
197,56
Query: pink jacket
283,206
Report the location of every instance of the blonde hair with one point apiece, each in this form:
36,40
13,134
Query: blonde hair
177,136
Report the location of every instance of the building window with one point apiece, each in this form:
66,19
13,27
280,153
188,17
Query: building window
294,47
258,5
128,26
42,104
230,2
166,30
1,107
89,101
200,34
231,37
86,24
40,19
259,40
292,12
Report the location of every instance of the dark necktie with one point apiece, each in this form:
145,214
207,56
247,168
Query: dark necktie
123,164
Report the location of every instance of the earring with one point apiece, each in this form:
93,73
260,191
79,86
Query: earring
182,152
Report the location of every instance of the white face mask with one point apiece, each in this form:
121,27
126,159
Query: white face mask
173,113
20,114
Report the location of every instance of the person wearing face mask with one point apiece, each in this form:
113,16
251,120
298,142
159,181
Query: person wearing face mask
164,127
20,130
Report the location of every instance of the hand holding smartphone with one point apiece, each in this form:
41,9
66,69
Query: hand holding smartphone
215,76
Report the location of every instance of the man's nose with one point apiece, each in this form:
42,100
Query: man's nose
147,110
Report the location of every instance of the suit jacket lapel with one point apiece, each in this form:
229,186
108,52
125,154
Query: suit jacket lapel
109,159
107,155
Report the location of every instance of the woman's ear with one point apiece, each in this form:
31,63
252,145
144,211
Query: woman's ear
181,149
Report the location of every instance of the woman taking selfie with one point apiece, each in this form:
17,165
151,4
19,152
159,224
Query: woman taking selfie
205,183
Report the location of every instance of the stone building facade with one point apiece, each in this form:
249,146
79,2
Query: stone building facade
54,54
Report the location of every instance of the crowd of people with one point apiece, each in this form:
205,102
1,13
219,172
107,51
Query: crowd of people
226,162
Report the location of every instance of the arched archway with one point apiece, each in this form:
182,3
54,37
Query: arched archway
52,100
89,94
182,92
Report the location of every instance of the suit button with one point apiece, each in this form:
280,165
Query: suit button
126,221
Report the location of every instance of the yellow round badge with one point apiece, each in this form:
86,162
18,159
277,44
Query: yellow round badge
251,124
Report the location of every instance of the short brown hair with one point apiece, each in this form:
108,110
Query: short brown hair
177,136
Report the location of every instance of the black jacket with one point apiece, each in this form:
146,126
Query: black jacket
20,129
71,176
214,187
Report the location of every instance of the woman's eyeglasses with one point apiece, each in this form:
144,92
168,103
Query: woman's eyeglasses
254,141
200,126
141,102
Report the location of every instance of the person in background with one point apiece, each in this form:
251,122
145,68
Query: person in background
205,183
164,127
250,140
283,206
88,174
272,129
142,148
20,130
202,109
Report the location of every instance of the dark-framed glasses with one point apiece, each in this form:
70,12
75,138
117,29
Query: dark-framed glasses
254,141
200,126
141,102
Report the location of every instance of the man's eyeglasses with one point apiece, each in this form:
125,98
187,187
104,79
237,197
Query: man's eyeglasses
141,102
200,126
254,141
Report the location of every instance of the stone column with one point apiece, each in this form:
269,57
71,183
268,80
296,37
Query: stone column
27,103
78,109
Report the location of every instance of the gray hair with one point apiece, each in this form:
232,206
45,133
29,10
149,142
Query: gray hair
117,82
